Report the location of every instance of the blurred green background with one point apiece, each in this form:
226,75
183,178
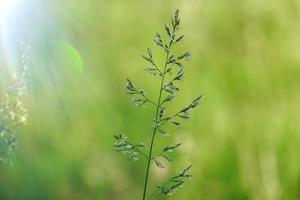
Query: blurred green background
243,142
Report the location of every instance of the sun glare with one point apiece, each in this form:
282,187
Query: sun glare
6,6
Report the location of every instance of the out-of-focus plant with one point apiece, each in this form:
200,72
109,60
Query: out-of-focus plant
171,72
13,112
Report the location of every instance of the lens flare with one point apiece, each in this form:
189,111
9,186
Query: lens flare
69,55
6,6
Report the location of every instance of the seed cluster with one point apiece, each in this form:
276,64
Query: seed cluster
13,112
170,73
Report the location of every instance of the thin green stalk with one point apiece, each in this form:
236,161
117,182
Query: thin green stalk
168,88
155,129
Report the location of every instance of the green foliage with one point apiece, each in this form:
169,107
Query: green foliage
171,72
243,144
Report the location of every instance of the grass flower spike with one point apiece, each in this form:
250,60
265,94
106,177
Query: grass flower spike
13,112
170,72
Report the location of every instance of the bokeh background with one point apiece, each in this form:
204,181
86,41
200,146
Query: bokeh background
243,141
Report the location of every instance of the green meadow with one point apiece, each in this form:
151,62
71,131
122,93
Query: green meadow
243,141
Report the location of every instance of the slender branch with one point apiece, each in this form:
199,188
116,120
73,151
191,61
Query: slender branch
167,91
141,152
148,99
157,68
138,150
165,121
157,155
153,194
155,128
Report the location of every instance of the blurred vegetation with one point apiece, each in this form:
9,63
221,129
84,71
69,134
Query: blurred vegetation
243,142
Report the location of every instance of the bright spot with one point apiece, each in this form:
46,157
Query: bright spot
6,6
